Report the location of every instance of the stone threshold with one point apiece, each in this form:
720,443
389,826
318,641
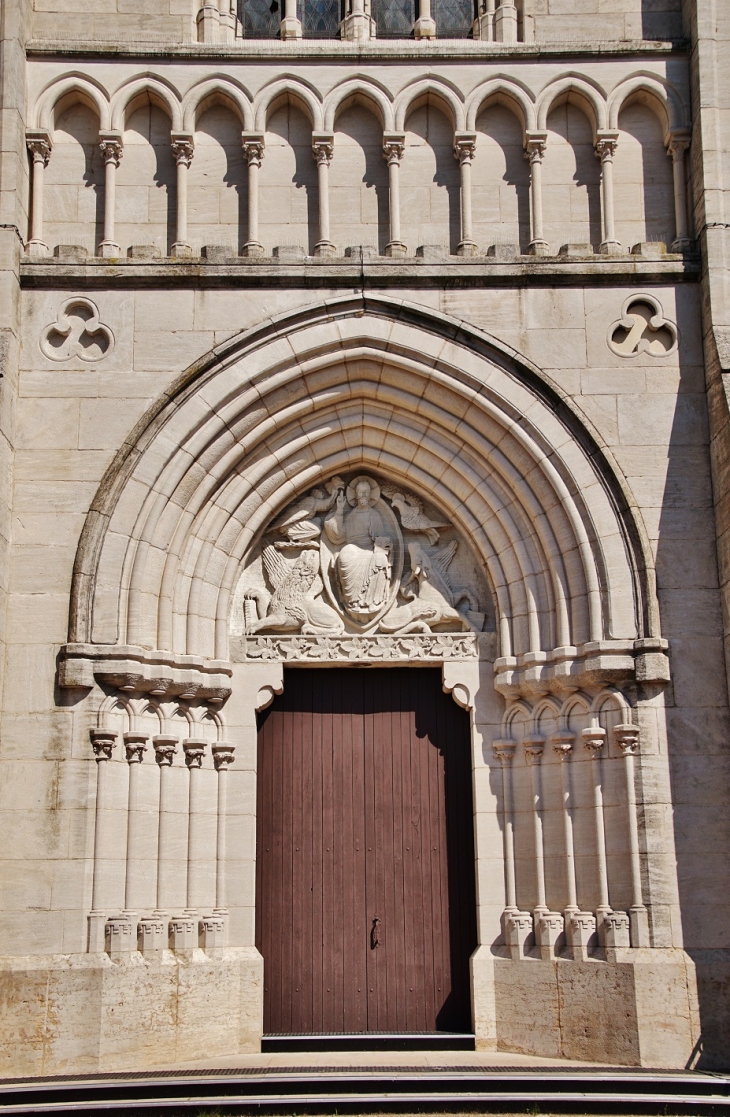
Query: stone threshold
313,271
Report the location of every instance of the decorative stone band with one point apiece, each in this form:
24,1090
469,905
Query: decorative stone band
129,668
358,649
593,664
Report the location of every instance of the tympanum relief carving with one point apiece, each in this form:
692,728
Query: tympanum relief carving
363,556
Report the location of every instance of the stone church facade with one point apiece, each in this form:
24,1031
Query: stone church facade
379,337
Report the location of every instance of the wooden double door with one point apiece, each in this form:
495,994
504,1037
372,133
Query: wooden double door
365,895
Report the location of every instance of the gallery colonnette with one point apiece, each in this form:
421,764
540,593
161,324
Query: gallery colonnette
363,527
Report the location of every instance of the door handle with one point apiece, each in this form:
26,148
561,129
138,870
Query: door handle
375,934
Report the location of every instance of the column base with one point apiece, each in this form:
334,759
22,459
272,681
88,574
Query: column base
518,933
154,932
253,248
181,250
97,932
290,29
109,250
37,248
357,28
121,935
215,930
580,934
467,248
549,934
483,27
325,248
184,930
610,248
396,249
639,923
505,23
681,244
538,248
424,28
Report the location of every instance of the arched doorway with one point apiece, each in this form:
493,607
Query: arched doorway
365,897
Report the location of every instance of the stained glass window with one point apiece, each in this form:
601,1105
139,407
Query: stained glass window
260,19
454,18
321,19
394,18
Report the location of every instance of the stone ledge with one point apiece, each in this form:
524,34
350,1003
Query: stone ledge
593,664
129,668
339,49
313,271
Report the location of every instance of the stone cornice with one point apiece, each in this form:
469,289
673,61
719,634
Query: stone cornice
140,670
318,50
576,668
480,271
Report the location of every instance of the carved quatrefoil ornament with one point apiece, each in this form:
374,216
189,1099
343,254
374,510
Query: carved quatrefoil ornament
642,328
77,333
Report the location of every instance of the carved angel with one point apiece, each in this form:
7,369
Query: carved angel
298,523
411,513
293,605
433,601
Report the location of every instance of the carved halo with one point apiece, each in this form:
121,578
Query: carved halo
351,491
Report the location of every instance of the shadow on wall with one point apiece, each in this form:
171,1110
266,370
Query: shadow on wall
698,723
359,181
430,181
661,19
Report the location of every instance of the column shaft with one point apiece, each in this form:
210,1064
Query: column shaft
505,751
535,150
182,148
393,148
323,150
677,147
103,742
533,750
111,151
253,150
605,150
194,752
135,745
40,150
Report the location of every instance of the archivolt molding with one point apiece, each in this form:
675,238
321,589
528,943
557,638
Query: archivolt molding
503,91
392,107
409,394
659,95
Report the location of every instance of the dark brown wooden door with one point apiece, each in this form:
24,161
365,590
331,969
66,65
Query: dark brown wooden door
364,814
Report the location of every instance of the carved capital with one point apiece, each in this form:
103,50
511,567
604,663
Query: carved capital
504,750
323,148
535,145
253,150
183,149
594,739
678,144
223,755
393,148
606,147
165,748
562,743
40,147
102,742
135,746
465,148
194,749
534,747
111,151
626,737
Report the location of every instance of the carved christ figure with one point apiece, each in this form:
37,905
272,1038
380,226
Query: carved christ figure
364,562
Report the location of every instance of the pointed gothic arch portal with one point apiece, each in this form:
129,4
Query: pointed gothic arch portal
367,484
